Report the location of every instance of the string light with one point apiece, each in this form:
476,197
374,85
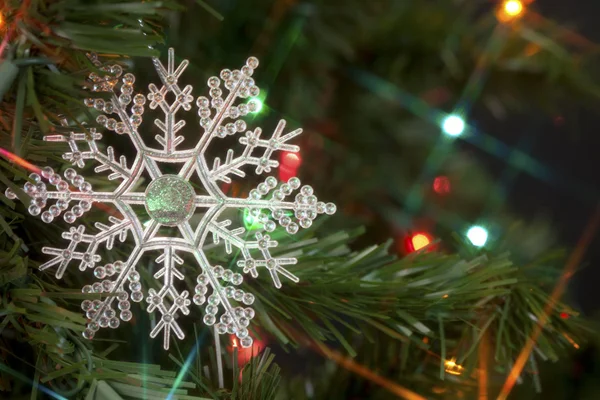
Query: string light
513,7
259,104
441,185
419,241
477,235
570,340
290,162
453,368
250,221
19,161
510,10
244,355
453,125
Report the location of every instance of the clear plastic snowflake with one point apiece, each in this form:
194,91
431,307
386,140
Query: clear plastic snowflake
171,200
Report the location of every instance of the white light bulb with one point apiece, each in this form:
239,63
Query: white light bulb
478,236
453,125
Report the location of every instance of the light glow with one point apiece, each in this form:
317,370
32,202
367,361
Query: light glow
510,10
250,221
453,125
441,185
259,104
513,8
452,367
19,161
419,241
478,236
291,160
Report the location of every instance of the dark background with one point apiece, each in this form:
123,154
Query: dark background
569,143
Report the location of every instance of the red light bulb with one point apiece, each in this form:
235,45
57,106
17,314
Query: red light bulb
441,185
291,160
289,163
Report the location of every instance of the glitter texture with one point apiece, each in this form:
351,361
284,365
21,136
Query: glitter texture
170,200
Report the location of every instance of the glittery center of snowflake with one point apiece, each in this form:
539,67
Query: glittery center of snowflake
170,200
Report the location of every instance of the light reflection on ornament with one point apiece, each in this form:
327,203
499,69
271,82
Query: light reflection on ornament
250,221
259,104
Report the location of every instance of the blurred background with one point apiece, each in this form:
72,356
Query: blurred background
433,123
373,84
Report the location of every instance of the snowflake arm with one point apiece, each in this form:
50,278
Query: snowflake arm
168,294
169,77
128,122
77,157
233,320
89,258
240,85
117,103
273,265
230,237
249,264
101,312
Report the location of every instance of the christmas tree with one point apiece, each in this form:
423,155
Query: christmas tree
424,284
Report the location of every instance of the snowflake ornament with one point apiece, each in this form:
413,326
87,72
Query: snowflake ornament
171,200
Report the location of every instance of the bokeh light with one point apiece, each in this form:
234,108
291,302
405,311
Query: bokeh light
289,164
419,240
244,355
477,235
513,7
250,221
510,10
291,160
453,125
441,185
259,104
451,367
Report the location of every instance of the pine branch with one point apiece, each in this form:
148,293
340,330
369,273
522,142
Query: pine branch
360,295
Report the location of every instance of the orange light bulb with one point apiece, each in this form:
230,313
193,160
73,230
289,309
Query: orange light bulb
513,7
510,10
419,241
